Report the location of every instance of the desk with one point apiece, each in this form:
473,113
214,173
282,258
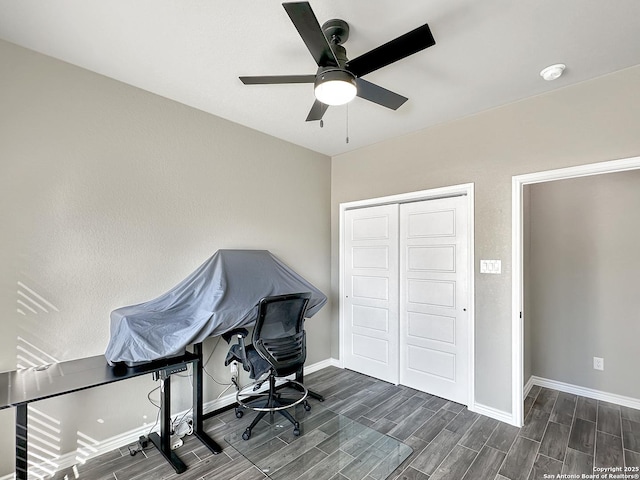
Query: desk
21,387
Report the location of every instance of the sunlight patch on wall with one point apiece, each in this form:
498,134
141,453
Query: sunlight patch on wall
31,301
86,447
30,356
44,443
32,306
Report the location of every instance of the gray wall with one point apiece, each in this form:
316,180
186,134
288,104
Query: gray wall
583,281
590,122
110,196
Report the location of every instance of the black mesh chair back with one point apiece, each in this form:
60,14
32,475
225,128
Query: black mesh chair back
278,335
279,349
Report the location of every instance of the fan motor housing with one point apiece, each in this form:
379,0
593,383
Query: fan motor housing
332,73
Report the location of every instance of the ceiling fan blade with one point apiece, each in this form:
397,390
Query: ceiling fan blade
276,79
317,111
309,29
381,96
403,46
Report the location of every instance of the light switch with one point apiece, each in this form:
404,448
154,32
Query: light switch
491,266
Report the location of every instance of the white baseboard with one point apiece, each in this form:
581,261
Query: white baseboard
330,362
528,386
582,391
70,459
494,413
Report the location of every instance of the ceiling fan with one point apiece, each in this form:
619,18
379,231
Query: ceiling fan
338,80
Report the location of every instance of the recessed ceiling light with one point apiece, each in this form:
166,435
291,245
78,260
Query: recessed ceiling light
553,71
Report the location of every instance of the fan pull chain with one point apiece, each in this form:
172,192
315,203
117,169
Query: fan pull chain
347,123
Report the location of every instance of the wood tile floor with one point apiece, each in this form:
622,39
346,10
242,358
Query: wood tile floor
563,434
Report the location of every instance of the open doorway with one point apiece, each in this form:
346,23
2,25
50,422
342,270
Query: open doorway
518,300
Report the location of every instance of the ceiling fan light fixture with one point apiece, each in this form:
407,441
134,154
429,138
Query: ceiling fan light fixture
335,87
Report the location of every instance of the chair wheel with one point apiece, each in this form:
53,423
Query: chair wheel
307,407
296,432
246,435
239,413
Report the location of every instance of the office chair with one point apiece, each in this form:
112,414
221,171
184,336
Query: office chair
278,349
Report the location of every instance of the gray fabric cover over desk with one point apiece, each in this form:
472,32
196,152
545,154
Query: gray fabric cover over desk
222,294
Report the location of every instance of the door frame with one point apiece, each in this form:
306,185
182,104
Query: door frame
517,251
467,190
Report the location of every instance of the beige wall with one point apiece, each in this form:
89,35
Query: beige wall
590,122
110,196
583,276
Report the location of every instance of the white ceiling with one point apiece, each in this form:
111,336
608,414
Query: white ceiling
487,53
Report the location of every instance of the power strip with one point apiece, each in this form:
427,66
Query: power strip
175,442
167,372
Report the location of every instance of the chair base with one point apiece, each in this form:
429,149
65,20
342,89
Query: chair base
273,403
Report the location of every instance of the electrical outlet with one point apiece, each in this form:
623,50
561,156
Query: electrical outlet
598,363
233,367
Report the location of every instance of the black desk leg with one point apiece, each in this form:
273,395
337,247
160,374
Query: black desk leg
163,441
21,442
312,394
198,430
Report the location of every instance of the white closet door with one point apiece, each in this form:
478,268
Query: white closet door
371,291
434,330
